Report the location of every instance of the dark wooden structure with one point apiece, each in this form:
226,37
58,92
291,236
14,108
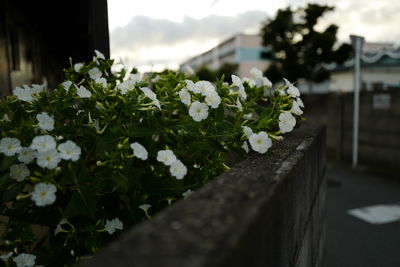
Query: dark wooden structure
37,38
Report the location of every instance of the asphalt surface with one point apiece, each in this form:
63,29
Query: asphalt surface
352,242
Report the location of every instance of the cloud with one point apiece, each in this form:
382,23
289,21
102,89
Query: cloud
144,32
147,41
376,20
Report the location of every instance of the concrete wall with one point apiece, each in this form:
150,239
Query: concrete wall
379,131
249,40
268,210
246,66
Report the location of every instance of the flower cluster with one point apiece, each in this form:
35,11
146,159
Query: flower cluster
119,146
177,168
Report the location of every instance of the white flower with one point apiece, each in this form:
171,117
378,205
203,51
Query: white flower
286,122
69,150
46,122
204,87
95,73
139,151
44,194
247,131
101,81
99,54
187,193
256,73
5,118
10,146
281,91
24,94
185,96
266,82
198,111
188,70
48,159
292,90
178,169
83,92
78,67
156,79
66,85
43,142
26,155
37,88
238,87
59,226
145,207
19,172
296,108
245,146
260,142
300,102
249,81
239,104
213,99
166,156
259,79
150,94
113,225
25,260
5,257
191,86
126,86
136,78
236,81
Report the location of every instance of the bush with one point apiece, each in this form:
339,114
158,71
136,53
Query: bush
102,152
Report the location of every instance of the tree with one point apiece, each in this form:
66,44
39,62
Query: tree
299,48
226,69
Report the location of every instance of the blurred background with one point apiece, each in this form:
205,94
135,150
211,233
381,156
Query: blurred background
307,42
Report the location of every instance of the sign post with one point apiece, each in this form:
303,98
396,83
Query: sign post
357,42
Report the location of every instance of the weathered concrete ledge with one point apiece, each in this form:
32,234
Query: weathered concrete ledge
268,210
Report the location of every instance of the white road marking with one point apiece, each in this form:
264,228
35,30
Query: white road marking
378,214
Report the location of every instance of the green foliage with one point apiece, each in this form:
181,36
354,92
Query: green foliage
299,48
104,114
226,70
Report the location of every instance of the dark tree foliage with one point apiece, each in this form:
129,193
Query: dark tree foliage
205,73
299,48
226,69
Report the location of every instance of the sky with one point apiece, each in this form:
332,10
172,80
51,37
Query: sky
156,34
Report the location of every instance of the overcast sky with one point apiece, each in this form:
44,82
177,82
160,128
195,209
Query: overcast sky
154,34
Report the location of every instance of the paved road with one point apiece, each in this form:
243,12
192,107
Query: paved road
352,242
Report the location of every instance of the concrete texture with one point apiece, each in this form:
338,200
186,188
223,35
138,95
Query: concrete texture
268,210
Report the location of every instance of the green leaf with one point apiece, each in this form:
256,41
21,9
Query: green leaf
3,179
200,146
7,162
83,203
13,191
140,132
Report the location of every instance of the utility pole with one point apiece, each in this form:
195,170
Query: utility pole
357,42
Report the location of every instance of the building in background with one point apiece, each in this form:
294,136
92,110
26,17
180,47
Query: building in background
37,38
242,49
380,69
